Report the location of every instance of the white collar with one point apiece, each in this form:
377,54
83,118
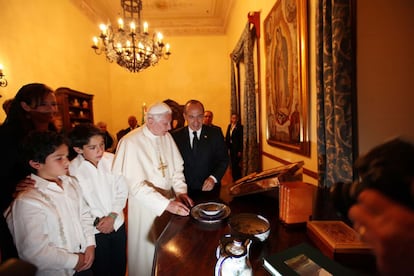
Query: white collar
149,134
190,131
43,184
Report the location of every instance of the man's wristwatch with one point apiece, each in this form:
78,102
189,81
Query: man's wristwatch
113,215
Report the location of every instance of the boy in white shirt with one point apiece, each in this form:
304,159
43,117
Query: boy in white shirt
106,194
51,224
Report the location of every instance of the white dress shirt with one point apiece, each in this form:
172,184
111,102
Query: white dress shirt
104,191
49,224
190,132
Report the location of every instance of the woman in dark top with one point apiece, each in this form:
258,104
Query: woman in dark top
33,108
234,141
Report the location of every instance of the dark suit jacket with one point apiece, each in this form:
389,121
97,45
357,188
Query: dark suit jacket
211,159
235,140
123,132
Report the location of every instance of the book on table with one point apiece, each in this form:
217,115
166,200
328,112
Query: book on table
296,200
303,259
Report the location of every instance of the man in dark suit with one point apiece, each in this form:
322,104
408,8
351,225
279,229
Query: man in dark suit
208,119
234,141
204,152
133,124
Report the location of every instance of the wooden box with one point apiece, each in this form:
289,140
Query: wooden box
340,242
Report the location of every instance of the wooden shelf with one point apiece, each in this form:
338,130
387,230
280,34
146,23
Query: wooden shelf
74,108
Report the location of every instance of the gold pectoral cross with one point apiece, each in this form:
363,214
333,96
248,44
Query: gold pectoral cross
162,167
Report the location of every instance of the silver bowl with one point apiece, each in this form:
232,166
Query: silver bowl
211,208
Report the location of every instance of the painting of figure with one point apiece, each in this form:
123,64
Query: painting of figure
286,82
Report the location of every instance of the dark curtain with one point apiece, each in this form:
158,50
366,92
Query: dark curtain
336,105
243,53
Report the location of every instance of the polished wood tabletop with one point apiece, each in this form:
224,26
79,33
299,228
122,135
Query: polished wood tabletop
188,247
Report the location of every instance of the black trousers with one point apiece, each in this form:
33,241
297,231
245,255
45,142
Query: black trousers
235,166
110,253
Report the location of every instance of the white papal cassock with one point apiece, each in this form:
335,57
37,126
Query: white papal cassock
146,161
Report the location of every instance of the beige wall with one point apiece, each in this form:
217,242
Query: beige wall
385,38
41,43
49,41
197,69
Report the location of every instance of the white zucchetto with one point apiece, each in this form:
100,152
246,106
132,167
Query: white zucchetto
159,108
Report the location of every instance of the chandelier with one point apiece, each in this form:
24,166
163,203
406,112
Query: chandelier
131,47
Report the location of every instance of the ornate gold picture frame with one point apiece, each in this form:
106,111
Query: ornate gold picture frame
286,49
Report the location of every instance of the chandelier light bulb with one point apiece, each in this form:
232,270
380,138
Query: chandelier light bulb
132,26
95,41
119,48
160,37
120,24
104,29
145,28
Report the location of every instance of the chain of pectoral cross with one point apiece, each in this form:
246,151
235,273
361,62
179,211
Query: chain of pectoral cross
163,166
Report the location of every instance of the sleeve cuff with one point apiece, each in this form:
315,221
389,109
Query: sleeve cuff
215,179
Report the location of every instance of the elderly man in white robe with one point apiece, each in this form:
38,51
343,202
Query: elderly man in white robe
149,159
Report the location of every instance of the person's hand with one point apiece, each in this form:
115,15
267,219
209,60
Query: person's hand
178,208
388,227
184,198
106,225
85,260
208,184
81,262
25,184
89,257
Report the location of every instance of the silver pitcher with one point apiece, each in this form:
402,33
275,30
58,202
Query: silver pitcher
233,257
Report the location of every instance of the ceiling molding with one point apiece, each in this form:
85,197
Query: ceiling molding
171,17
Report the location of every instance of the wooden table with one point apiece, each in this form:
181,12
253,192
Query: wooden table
188,247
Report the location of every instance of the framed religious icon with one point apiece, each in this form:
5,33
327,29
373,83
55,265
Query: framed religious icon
286,49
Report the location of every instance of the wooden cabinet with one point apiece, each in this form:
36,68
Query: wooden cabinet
74,108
